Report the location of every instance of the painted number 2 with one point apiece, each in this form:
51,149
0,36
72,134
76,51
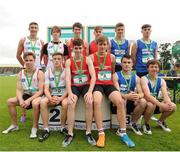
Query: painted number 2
55,115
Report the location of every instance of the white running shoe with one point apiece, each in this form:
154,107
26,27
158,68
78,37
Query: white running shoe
118,132
10,128
136,129
164,126
33,133
154,118
147,129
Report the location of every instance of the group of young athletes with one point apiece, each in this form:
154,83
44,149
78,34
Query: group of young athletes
104,67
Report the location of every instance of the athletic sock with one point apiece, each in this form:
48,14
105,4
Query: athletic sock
101,131
122,131
88,132
47,129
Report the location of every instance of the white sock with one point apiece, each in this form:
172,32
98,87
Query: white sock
122,134
122,131
35,129
61,128
47,129
15,126
87,132
71,134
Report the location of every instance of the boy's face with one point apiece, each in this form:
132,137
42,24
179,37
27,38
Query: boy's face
120,31
29,61
57,60
78,49
102,46
153,68
126,64
77,31
55,34
98,33
33,29
146,32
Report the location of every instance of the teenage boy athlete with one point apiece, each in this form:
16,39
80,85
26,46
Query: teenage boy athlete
77,30
104,64
143,50
55,94
98,31
151,85
119,45
28,93
54,46
80,80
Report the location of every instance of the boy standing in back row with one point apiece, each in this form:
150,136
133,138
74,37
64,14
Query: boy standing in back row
144,50
119,45
98,31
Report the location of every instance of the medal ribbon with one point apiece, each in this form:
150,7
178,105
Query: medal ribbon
27,78
101,64
119,43
77,68
58,79
148,48
155,86
128,84
33,45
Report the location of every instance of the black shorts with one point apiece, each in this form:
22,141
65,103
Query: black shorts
77,90
118,68
106,89
129,107
141,74
25,97
157,110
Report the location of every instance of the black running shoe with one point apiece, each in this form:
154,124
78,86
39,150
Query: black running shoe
136,129
67,140
44,135
64,131
147,129
90,139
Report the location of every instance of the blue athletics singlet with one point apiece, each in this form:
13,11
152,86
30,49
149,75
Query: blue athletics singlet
126,85
145,52
119,50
